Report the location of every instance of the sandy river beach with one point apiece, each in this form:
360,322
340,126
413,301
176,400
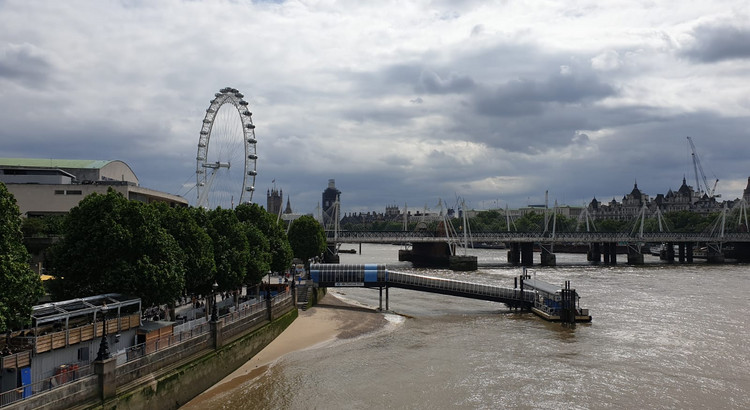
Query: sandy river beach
330,320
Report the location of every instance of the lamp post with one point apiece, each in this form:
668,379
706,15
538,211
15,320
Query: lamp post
214,314
103,353
268,286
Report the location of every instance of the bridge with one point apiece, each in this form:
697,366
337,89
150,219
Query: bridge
434,249
534,237
542,298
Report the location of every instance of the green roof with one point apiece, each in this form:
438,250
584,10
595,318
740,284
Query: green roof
53,163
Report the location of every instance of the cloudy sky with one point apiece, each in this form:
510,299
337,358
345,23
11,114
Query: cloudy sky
399,102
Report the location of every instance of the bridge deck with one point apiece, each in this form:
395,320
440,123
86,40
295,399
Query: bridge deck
537,237
373,276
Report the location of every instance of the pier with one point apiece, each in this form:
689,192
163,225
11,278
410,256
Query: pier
544,299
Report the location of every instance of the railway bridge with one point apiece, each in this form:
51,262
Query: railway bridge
602,246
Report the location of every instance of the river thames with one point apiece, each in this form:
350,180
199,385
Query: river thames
662,336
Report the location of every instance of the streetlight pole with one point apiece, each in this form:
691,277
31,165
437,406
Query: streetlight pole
268,286
103,353
214,313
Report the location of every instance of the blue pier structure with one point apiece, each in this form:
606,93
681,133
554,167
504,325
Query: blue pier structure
544,299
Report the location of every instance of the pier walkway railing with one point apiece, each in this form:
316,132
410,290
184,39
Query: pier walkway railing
377,276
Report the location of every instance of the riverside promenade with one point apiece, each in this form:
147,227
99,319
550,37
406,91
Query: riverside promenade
167,376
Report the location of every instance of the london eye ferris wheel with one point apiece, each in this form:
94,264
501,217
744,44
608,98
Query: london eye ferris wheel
226,161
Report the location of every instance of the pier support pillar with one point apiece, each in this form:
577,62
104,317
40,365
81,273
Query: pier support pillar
595,253
635,256
514,253
613,253
681,252
609,250
527,254
667,254
462,262
430,254
605,253
689,252
714,256
548,258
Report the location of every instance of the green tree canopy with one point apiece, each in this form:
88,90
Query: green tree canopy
307,238
115,245
530,222
21,287
231,247
259,262
196,245
281,251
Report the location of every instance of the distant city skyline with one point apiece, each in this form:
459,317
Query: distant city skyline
496,103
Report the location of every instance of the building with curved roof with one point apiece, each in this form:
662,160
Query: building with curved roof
54,186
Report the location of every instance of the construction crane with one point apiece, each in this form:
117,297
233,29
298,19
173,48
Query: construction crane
698,167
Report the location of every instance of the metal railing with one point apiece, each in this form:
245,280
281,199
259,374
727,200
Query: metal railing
72,372
244,310
143,349
469,288
190,331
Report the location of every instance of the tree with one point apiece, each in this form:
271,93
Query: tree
231,247
281,251
21,287
307,238
118,246
259,262
531,222
196,245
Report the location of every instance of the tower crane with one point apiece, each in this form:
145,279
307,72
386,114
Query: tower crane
698,167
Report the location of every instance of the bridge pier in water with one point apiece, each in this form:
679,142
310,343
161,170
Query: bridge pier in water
595,253
667,254
521,253
635,255
714,254
548,258
609,250
527,254
439,255
514,253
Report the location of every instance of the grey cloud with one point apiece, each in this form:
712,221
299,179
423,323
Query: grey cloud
24,63
431,82
528,97
713,43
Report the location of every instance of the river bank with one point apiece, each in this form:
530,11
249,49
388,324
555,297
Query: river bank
331,319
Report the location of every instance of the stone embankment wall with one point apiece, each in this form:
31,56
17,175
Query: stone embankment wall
171,377
180,385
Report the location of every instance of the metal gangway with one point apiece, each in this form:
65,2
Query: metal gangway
378,276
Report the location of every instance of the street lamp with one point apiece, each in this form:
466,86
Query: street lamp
268,286
214,314
103,353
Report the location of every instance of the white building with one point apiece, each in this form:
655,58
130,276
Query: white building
54,186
